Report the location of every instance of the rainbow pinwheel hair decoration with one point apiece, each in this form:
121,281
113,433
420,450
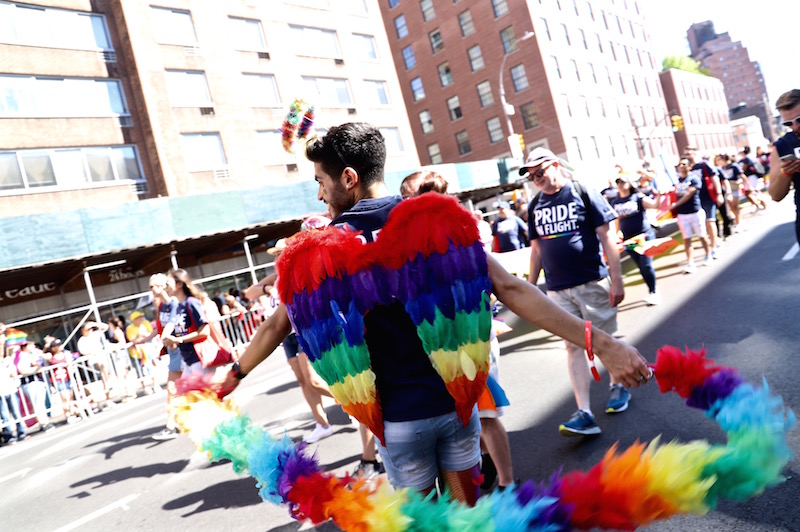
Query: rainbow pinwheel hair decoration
625,490
430,259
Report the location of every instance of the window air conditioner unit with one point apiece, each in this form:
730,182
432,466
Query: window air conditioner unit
207,111
338,61
125,121
142,188
291,167
263,55
107,57
351,111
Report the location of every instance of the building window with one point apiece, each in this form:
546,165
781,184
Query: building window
601,106
495,130
576,69
557,67
465,21
202,152
445,76
260,90
583,39
435,154
393,3
577,146
416,89
621,83
519,78
509,40
365,46
475,58
52,28
454,107
425,121
591,11
566,34
613,50
400,26
586,111
173,26
530,118
378,92
596,147
39,97
565,101
247,35
462,139
328,92
485,93
427,10
394,144
409,58
546,29
270,149
627,55
68,167
594,74
599,43
187,88
315,42
500,8
437,44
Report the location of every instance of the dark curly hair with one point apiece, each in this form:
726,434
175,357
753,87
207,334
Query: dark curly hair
355,144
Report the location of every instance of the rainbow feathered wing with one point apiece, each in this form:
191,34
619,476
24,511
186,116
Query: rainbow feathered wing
429,258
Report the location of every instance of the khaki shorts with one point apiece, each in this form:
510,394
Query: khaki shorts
589,301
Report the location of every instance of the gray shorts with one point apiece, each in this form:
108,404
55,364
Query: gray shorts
589,301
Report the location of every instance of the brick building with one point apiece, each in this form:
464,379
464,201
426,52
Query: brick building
700,101
106,101
584,85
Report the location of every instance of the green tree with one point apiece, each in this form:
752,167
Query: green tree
682,62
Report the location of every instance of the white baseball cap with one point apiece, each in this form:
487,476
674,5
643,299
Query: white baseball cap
536,157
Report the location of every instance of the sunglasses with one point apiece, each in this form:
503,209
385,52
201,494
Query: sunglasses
540,172
789,123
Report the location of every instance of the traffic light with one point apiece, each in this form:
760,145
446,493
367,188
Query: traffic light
521,143
677,122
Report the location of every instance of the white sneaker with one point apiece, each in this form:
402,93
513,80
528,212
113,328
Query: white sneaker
653,298
709,260
318,433
690,268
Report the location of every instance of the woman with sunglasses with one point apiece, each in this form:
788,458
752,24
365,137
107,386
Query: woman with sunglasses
630,206
190,323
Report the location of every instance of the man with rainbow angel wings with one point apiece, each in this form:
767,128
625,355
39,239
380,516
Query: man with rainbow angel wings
391,305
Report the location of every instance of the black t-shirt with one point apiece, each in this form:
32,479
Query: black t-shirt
702,170
408,386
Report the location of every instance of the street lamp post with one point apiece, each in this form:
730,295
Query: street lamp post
508,110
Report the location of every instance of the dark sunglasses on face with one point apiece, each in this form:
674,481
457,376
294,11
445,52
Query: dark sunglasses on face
540,172
789,123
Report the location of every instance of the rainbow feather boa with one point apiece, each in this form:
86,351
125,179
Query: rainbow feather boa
625,490
429,258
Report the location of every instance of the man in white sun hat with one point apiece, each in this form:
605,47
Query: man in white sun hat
567,224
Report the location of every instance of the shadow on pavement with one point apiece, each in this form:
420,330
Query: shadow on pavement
124,441
127,473
224,495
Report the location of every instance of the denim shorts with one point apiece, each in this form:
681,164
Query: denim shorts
291,346
175,360
62,386
416,450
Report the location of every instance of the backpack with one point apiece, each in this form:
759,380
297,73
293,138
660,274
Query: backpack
581,192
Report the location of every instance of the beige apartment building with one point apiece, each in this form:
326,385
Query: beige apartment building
585,84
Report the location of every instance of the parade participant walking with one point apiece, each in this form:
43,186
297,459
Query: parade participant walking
710,195
567,224
348,165
190,323
691,218
509,230
166,307
32,381
9,399
785,154
630,206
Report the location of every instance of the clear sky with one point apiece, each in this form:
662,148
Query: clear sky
763,27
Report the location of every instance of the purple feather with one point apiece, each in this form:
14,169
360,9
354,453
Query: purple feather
719,386
295,465
557,515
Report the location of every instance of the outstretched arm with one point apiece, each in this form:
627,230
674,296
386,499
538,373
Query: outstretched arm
621,360
268,336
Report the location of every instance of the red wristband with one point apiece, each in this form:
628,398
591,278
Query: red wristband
587,330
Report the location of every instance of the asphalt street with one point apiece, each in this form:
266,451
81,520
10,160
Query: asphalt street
108,474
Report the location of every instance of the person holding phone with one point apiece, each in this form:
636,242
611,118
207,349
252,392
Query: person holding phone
785,155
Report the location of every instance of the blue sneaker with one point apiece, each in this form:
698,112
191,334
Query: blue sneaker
618,402
580,424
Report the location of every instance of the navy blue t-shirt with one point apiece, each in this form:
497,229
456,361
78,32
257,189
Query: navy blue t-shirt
508,232
568,241
632,219
189,317
790,143
730,173
408,386
682,188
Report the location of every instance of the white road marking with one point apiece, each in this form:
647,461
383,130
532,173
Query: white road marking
20,473
122,504
792,252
